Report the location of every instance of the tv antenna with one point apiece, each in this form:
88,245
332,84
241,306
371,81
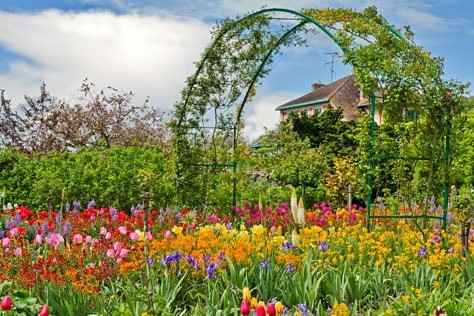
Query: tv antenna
333,56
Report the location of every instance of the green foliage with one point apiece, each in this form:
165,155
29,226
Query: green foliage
115,176
326,131
23,302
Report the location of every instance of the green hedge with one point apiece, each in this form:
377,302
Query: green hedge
112,177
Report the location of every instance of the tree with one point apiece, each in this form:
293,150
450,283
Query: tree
327,131
208,116
98,120
290,160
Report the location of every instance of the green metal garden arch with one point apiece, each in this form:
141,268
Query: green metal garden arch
304,20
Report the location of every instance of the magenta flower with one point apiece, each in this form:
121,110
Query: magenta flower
117,252
123,230
14,232
6,242
54,240
17,252
133,236
77,239
148,236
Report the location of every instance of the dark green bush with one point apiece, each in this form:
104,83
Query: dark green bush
112,177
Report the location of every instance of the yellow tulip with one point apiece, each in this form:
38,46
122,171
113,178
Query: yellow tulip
246,294
253,303
279,307
177,230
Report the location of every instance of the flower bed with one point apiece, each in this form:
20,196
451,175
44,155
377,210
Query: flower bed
102,261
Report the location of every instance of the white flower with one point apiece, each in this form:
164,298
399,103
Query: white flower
300,213
294,205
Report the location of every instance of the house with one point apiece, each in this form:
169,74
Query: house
342,93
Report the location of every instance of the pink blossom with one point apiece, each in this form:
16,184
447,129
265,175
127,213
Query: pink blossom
6,242
91,265
117,252
14,232
148,236
123,230
133,236
54,240
88,239
108,235
123,252
110,253
39,239
17,252
103,230
77,239
117,246
168,234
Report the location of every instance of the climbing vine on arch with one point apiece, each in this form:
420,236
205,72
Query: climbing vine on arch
406,78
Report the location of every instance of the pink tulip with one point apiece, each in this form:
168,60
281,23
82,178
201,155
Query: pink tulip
103,230
245,307
123,230
108,235
110,253
44,311
260,311
271,311
133,236
17,252
39,239
54,240
148,236
6,303
168,234
123,252
14,232
117,246
77,239
88,239
6,242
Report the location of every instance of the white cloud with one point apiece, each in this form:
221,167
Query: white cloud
260,114
149,55
151,52
423,19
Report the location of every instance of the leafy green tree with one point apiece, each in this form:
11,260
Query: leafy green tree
327,131
207,126
290,160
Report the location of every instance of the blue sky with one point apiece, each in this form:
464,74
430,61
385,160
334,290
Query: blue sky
149,46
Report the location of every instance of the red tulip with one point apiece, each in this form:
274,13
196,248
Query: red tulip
44,311
260,311
6,303
245,307
271,309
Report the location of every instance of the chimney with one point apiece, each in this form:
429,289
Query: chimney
316,86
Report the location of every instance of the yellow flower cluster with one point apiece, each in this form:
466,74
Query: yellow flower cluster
398,246
340,310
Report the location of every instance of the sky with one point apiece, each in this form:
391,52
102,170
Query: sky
150,47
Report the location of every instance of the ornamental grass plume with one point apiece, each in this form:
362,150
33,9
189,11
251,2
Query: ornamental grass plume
294,205
300,213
